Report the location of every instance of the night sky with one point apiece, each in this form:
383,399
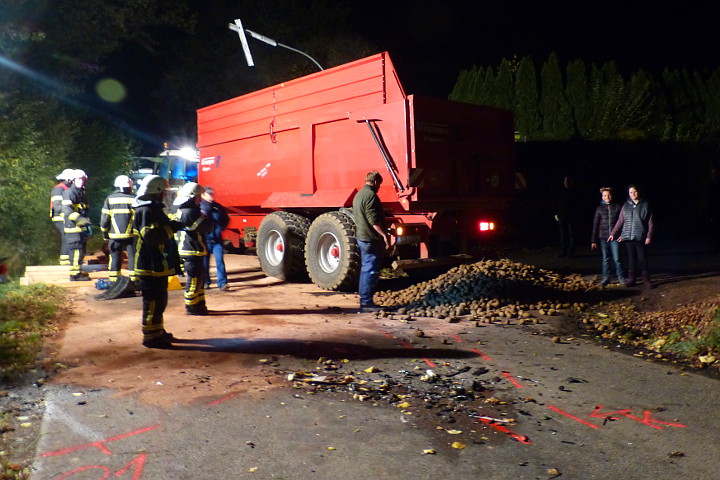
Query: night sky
430,42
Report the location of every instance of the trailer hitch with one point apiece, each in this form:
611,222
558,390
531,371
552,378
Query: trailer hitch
375,132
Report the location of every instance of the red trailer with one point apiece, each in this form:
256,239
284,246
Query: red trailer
287,161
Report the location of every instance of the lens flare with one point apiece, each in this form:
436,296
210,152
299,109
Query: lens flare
110,90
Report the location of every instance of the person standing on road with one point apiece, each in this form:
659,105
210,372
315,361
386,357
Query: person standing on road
56,213
75,212
566,206
606,215
219,219
116,224
156,258
191,246
713,199
635,230
372,238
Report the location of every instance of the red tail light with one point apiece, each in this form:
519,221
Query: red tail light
485,226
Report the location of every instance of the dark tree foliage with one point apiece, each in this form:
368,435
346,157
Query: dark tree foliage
597,102
48,51
212,66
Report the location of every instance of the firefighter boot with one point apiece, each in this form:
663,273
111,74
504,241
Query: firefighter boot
80,277
630,281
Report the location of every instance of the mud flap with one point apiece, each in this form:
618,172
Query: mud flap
121,288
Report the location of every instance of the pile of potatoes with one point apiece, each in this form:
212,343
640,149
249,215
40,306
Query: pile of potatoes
488,291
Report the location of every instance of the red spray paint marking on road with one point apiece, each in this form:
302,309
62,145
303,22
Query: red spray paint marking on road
646,420
137,473
408,346
485,357
220,400
100,444
512,379
507,431
481,354
572,416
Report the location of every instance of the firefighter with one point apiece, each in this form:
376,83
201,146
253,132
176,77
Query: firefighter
116,224
56,214
191,246
77,222
156,258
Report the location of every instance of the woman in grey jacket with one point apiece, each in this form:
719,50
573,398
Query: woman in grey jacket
635,229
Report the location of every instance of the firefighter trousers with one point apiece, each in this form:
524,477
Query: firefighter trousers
64,254
76,249
117,247
155,298
195,285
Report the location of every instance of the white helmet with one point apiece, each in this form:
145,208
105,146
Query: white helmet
123,181
78,174
188,191
67,174
151,185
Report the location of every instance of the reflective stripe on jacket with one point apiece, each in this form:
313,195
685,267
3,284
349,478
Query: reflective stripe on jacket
195,225
155,249
116,221
75,210
56,197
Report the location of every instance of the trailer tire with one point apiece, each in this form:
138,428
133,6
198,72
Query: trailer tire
332,257
281,245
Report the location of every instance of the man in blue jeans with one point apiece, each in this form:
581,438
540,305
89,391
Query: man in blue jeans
213,239
606,216
372,238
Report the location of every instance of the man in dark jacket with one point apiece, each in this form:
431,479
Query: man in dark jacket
371,237
566,206
606,215
218,218
75,212
191,246
156,258
116,224
56,214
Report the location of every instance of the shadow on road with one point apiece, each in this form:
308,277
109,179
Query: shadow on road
310,349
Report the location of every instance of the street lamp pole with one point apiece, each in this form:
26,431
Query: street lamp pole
237,27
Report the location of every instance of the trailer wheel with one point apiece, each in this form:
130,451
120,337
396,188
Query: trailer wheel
331,253
281,245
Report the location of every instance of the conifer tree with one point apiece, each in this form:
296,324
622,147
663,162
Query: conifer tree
556,121
527,113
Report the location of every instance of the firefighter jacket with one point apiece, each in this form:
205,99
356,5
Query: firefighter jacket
75,211
191,242
155,249
56,197
116,220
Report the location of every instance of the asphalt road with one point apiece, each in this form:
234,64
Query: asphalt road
569,409
580,410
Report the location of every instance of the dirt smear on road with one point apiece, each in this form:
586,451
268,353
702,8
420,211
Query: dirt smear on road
226,353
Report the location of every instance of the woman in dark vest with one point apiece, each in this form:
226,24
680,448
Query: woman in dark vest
634,229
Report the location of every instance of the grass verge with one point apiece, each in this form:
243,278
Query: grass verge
28,314
690,333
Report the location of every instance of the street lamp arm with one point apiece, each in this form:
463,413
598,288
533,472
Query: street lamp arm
301,53
238,26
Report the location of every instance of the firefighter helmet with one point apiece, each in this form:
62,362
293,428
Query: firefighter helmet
188,191
78,174
67,174
150,186
123,181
